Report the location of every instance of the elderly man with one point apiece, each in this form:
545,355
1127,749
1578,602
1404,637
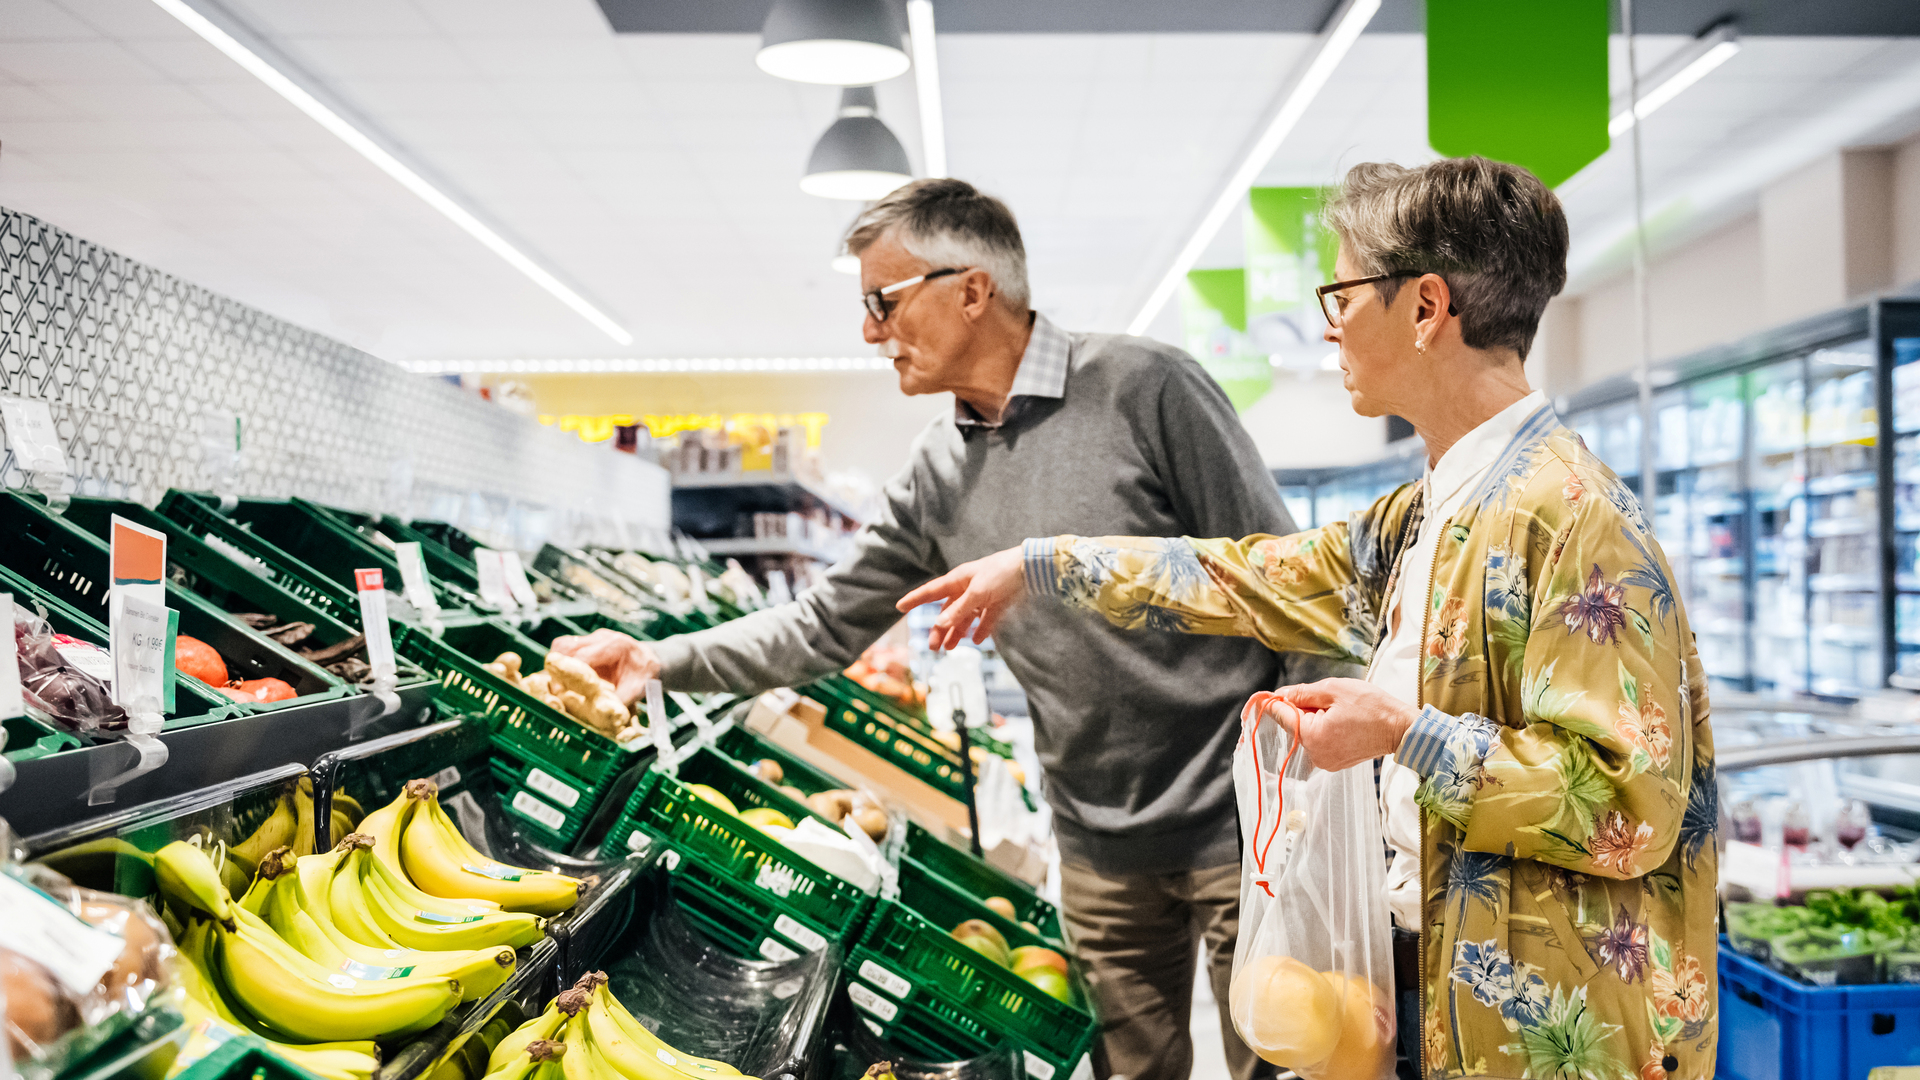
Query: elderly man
1051,431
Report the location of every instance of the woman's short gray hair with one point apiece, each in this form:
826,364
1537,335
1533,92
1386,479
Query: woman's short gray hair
947,222
1493,231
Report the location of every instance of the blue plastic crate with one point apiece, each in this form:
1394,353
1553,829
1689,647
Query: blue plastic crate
1774,1028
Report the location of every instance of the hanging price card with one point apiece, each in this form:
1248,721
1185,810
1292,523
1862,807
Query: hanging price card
517,582
10,703
372,588
493,579
414,581
137,617
30,431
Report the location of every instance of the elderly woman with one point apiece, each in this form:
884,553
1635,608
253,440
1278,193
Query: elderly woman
1550,790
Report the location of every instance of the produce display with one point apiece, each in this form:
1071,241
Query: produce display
888,671
1039,965
194,657
1836,937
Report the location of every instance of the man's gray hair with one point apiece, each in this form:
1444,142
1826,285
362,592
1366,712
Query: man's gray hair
1493,231
950,223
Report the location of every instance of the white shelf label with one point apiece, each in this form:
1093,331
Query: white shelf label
538,811
1036,1068
414,581
11,704
373,621
517,583
884,979
794,931
775,951
30,431
864,997
493,579
553,789
446,778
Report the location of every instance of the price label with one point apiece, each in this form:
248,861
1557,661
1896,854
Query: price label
659,728
11,704
414,581
493,579
517,582
137,617
30,431
373,621
777,591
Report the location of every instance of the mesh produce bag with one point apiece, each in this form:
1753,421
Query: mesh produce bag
1313,969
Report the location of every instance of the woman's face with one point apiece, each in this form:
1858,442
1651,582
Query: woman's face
1377,358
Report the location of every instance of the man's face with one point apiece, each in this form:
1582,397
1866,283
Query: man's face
929,328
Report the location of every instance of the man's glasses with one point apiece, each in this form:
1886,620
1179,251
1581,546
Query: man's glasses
878,304
1334,305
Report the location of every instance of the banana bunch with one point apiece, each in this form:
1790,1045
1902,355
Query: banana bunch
250,974
586,1034
291,825
415,841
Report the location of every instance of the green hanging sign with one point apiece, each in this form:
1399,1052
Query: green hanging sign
1520,81
1213,316
1289,255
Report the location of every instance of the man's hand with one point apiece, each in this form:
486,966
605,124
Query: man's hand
983,589
1346,721
615,657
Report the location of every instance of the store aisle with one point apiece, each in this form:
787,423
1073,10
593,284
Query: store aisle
1209,1057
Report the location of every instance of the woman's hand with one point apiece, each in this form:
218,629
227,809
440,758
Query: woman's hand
983,589
615,657
1346,721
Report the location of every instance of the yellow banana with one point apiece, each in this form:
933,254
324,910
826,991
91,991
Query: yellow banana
186,876
303,818
350,806
331,1064
440,860
580,1062
540,1060
292,995
268,869
478,971
624,1041
275,832
410,894
413,928
384,826
545,1026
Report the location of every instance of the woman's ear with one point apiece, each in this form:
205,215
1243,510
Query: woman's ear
1434,300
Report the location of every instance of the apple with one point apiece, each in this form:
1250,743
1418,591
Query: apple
981,937
714,797
762,816
1002,907
1028,958
1051,983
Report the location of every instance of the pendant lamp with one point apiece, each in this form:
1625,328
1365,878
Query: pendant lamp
858,157
833,42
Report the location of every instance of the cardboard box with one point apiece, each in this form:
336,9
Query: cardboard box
798,725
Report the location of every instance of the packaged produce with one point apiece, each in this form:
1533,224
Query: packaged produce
76,965
1312,970
53,683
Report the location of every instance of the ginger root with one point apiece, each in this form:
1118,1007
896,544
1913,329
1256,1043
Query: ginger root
585,696
507,666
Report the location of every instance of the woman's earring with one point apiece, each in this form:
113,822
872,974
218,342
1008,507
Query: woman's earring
1419,346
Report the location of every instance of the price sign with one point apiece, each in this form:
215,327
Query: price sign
659,728
777,591
30,431
413,577
10,702
372,588
137,617
493,579
517,582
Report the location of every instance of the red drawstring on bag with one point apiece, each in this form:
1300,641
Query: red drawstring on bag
1249,729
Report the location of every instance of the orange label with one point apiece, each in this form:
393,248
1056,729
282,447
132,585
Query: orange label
139,554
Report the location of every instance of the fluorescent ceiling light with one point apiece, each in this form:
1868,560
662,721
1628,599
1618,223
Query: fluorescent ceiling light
1332,48
926,81
832,42
651,366
366,146
858,158
1691,64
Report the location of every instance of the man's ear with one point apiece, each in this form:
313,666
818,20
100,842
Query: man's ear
976,292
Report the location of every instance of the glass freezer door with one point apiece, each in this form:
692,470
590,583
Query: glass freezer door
1776,492
1843,523
1906,511
1703,524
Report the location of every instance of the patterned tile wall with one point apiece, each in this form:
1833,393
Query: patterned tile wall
136,365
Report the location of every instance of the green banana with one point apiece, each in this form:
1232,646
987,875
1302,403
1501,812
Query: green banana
186,876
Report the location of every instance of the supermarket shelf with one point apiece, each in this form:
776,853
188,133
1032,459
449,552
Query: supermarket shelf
1834,485
1847,526
758,545
786,484
1838,634
1843,582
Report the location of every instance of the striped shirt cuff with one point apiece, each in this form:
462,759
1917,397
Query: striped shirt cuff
1043,574
1424,747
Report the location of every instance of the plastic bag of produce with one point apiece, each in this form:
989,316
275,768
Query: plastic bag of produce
1313,970
54,682
78,967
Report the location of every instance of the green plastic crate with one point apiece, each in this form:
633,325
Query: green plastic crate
908,954
327,541
243,1058
65,563
928,1030
754,875
461,543
889,733
200,515
980,879
746,748
557,808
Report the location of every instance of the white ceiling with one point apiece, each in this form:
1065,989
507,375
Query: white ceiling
658,173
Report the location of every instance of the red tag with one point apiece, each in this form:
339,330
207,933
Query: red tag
369,580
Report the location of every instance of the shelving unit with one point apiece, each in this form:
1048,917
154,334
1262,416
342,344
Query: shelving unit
710,507
1776,499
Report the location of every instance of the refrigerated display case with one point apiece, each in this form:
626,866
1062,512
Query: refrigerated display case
1321,496
1777,495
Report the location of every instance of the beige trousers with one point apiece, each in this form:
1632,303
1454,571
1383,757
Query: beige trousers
1136,936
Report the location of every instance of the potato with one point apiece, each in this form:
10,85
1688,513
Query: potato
872,821
793,793
768,770
832,805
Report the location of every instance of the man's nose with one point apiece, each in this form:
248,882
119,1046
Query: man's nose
871,331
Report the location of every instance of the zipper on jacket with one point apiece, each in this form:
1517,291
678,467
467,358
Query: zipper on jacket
1420,702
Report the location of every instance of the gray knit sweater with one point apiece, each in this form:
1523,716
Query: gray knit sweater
1134,729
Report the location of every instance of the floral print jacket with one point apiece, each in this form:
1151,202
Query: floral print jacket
1568,801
